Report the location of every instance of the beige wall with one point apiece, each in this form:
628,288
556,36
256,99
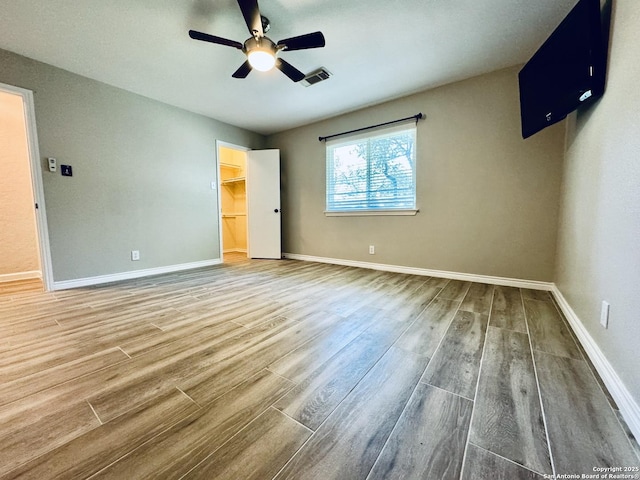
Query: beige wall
142,173
19,253
488,199
599,235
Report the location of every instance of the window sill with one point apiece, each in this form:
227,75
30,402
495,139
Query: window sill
370,213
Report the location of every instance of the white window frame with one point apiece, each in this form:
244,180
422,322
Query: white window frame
352,139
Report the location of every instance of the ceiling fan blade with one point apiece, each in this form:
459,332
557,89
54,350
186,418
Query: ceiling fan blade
243,71
302,42
252,18
289,70
205,37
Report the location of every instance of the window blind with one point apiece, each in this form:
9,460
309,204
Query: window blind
373,171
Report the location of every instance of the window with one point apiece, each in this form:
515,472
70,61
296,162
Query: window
372,174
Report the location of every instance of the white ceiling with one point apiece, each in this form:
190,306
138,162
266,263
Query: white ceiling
377,50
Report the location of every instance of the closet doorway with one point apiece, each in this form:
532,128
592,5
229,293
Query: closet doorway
232,174
249,200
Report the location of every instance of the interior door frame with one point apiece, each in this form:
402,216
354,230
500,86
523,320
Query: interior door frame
36,181
219,144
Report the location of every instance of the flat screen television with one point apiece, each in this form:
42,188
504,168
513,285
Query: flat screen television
567,71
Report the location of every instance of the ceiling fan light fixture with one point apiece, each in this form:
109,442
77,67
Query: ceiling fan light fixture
261,59
261,51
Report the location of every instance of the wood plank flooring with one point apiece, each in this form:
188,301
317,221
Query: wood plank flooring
297,370
508,417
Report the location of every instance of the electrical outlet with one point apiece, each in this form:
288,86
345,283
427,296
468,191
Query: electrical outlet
372,250
604,314
135,255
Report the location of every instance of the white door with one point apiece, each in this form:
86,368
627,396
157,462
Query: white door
263,204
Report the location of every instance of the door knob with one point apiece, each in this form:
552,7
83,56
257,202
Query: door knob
275,210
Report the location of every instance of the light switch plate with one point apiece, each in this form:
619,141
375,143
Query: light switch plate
604,314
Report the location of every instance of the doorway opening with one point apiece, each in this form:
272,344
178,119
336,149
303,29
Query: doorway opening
25,262
249,202
232,175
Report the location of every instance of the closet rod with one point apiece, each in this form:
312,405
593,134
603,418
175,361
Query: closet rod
417,117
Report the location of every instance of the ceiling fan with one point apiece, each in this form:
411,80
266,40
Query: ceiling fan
261,51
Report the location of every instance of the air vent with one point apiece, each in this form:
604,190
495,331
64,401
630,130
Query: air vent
316,76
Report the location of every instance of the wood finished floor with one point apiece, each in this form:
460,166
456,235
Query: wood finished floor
297,370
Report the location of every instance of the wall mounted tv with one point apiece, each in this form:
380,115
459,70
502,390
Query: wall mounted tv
567,71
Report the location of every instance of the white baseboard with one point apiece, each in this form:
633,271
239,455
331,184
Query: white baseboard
503,281
628,407
117,277
14,277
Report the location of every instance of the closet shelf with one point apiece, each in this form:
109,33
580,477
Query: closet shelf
230,165
230,181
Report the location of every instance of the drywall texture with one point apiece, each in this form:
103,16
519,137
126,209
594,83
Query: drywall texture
488,199
599,235
142,173
18,236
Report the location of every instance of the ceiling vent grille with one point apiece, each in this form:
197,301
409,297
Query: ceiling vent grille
316,76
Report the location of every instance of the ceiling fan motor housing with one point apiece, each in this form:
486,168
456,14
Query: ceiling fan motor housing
260,43
266,24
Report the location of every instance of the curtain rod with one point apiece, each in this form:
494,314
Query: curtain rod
417,117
